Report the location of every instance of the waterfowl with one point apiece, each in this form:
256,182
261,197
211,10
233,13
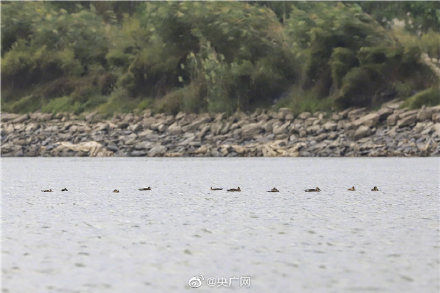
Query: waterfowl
274,190
234,189
216,188
375,188
64,189
351,189
47,190
145,188
115,191
313,190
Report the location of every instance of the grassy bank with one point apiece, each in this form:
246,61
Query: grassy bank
218,57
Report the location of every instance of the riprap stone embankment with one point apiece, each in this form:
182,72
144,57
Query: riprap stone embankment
389,131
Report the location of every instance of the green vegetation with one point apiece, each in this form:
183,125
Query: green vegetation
428,97
217,56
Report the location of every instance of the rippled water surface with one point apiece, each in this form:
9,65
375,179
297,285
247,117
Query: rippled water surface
92,240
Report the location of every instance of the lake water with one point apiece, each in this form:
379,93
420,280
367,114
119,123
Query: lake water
92,240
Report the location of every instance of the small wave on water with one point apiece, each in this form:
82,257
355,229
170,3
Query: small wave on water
89,239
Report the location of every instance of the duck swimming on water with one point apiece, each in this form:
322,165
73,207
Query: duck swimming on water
313,190
47,190
273,190
351,189
144,188
375,188
64,189
234,189
216,188
115,191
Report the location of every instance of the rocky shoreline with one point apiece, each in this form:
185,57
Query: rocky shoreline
389,131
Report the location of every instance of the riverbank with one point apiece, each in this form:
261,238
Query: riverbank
389,131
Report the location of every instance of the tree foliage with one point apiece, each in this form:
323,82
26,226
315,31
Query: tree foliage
211,56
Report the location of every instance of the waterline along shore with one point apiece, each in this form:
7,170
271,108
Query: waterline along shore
388,131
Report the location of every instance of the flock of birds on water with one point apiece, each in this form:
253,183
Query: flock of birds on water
238,189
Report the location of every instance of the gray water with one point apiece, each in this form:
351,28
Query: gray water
92,240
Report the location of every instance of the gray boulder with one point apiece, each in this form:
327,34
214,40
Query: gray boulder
280,129
369,120
157,150
407,121
283,113
362,131
250,130
424,114
175,129
392,119
330,126
304,115
21,119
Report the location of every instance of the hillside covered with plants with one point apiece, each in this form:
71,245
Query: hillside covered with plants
217,56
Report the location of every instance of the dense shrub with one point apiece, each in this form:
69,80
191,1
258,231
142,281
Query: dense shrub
359,85
428,97
341,61
350,57
213,56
